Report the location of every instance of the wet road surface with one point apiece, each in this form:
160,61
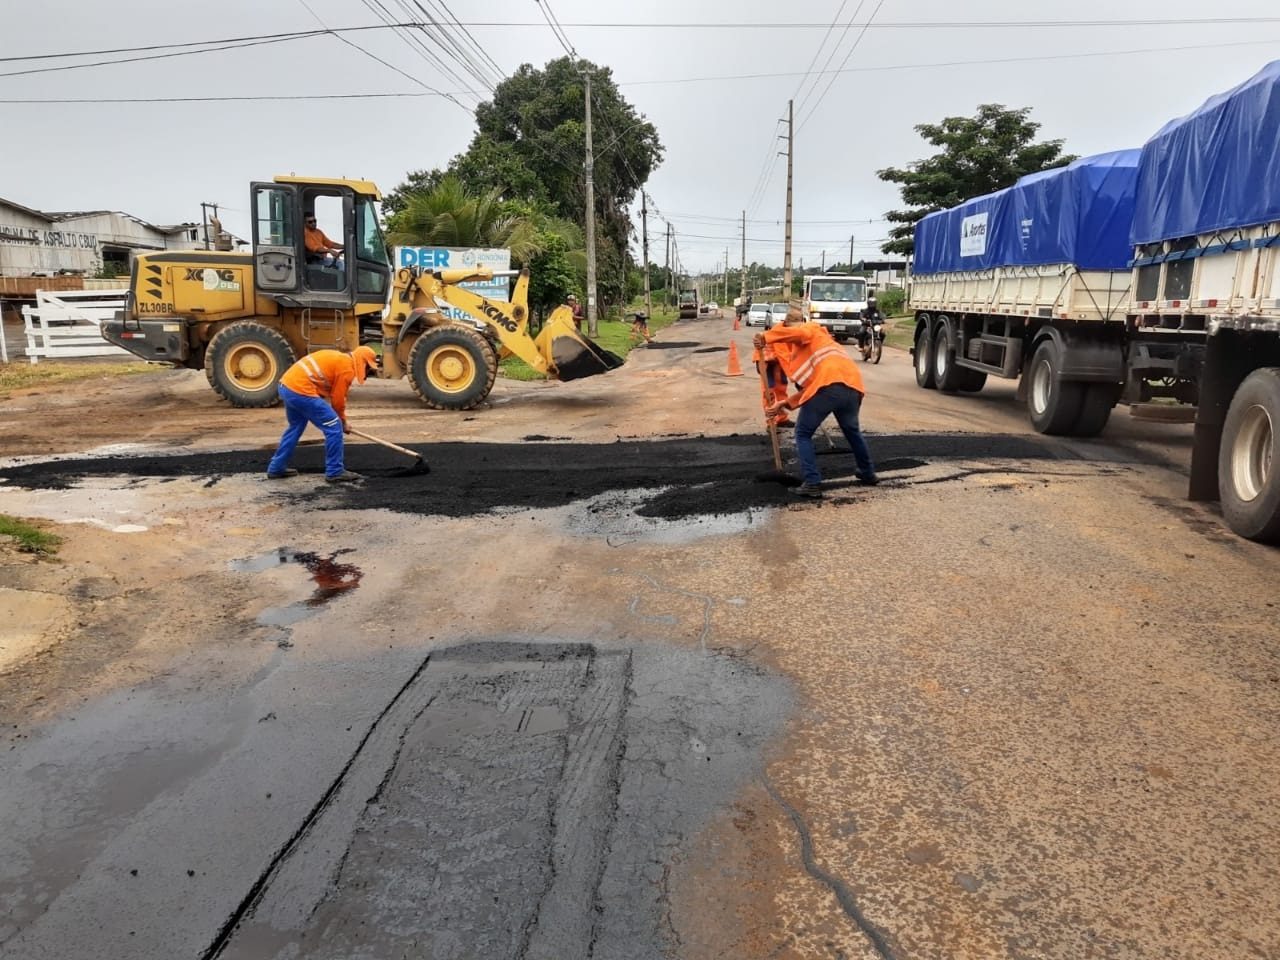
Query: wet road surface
608,696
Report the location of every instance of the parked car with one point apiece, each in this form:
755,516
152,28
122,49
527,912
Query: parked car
777,312
713,307
758,315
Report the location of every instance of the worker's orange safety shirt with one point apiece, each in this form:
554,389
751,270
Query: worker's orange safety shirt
811,360
315,240
325,373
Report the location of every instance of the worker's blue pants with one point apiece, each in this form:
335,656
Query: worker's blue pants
300,410
844,402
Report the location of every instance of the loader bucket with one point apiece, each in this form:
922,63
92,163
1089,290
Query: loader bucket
571,355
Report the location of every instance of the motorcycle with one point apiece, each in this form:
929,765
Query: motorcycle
871,334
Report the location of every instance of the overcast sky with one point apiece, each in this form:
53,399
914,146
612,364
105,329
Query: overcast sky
159,160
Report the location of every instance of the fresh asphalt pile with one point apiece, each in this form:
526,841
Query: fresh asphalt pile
688,475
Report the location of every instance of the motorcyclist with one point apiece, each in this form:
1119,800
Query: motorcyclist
871,315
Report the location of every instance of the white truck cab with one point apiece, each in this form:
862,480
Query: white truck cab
836,302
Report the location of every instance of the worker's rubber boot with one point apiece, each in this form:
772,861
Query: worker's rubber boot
284,474
346,476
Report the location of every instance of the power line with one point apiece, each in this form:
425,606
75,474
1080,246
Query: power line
447,48
294,35
163,56
1040,58
373,56
545,7
856,40
255,97
415,44
830,56
889,25
471,41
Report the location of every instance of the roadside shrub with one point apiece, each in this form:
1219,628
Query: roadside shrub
890,301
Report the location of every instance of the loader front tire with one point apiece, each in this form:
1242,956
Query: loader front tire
452,367
245,361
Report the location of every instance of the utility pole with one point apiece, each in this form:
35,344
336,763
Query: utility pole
593,323
667,265
824,261
786,251
743,293
725,296
644,246
851,253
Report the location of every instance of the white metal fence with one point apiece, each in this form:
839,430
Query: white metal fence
67,323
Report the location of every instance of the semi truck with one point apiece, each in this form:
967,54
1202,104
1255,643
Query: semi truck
1146,277
836,301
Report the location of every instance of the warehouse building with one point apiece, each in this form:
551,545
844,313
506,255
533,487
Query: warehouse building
86,244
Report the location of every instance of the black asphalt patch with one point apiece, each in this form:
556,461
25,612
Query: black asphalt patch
699,475
671,345
518,800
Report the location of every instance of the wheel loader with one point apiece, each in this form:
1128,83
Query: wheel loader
246,317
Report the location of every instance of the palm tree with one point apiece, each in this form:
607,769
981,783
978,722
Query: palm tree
449,216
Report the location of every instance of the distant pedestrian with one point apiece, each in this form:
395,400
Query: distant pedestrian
640,328
314,390
829,383
578,315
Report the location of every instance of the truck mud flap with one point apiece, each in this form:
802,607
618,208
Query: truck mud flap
571,355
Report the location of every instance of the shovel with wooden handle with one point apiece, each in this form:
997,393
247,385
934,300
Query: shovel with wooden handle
768,420
419,465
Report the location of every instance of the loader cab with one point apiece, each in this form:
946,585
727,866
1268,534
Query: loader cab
346,212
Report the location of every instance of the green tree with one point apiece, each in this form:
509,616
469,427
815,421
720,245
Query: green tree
979,154
529,145
447,215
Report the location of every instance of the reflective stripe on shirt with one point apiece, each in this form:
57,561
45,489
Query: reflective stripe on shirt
803,372
314,374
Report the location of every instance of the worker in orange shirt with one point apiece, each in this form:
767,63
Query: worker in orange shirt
774,388
314,390
829,383
320,249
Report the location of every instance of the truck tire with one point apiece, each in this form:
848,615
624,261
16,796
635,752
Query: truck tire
971,381
1054,403
452,367
1095,409
245,361
924,359
1249,462
947,377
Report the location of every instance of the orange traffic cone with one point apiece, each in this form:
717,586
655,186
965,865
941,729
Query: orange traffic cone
735,367
736,324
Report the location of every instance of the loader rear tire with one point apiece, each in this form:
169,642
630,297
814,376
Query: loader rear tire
245,361
452,367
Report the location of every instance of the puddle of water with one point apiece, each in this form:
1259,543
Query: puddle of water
332,579
613,516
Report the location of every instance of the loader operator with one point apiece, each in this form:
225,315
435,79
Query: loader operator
314,390
829,382
320,249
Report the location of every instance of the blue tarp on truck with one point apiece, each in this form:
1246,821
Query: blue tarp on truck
1079,214
1216,168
